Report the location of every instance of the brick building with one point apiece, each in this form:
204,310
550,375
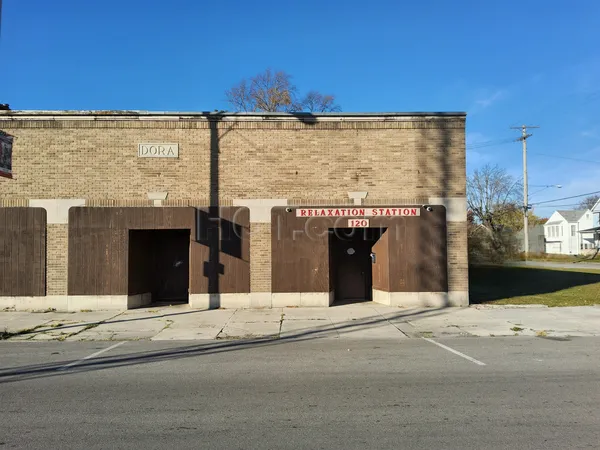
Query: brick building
116,209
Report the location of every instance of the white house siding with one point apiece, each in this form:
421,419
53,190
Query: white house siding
563,236
596,213
553,247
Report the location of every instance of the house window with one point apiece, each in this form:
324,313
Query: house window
572,230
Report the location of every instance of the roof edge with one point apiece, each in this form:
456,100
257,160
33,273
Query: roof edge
208,114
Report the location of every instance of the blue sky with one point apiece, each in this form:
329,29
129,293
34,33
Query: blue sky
504,63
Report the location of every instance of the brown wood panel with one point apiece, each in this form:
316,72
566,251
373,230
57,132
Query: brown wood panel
15,249
99,253
417,251
220,253
418,261
139,262
381,266
22,252
98,244
300,253
39,251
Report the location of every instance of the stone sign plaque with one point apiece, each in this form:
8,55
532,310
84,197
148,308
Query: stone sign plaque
158,150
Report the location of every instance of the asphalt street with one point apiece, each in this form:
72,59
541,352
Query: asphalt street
463,393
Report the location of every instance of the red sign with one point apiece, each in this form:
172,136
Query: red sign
358,212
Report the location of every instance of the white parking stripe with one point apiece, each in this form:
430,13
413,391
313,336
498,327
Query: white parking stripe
456,352
93,355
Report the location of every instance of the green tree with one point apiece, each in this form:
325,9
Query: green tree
511,218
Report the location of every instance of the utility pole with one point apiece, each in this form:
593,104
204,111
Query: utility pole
526,208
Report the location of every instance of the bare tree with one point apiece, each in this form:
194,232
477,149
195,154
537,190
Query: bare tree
492,193
492,201
268,91
589,202
273,91
317,102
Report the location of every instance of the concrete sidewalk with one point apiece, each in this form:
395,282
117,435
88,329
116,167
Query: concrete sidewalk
365,320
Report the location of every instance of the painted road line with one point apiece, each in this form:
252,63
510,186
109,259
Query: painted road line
456,352
93,355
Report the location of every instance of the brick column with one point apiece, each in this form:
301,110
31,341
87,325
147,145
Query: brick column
57,251
458,261
260,248
57,241
260,264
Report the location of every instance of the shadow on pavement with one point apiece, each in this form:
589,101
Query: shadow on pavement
29,372
130,318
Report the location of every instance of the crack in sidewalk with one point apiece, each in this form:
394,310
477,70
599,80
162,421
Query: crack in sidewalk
87,327
225,325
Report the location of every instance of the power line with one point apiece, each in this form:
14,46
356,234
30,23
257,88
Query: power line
572,205
565,157
490,143
566,198
484,144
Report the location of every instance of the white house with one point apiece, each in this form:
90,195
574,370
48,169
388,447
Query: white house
596,225
569,232
596,212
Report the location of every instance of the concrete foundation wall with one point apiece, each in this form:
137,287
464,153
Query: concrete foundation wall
74,303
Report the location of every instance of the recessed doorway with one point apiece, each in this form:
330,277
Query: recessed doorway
159,265
350,263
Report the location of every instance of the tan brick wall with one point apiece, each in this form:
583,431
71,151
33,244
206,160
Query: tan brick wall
458,264
440,167
98,160
260,257
404,160
57,241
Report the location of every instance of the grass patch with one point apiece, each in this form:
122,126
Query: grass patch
47,310
517,329
559,258
4,335
534,285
